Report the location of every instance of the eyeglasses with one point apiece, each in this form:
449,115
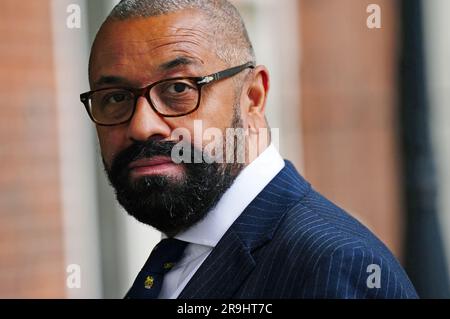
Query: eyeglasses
169,98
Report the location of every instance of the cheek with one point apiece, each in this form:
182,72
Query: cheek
111,142
204,127
218,110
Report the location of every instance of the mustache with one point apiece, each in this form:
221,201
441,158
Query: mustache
140,150
148,149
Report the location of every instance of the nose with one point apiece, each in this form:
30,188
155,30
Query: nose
146,123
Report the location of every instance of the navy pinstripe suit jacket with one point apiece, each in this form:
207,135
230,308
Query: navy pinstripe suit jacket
291,242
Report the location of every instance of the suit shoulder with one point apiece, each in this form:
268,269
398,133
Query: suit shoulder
318,220
330,254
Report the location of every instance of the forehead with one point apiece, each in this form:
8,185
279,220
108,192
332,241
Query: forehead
126,48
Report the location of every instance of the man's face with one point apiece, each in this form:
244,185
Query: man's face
135,53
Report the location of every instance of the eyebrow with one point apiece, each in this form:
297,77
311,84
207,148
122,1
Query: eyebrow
167,66
110,80
179,61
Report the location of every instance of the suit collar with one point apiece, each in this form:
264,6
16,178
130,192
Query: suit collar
246,187
223,272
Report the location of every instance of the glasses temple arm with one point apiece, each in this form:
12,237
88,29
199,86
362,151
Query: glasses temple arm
226,74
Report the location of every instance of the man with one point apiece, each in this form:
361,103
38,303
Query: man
251,228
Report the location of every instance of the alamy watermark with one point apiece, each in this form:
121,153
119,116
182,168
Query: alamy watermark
374,279
73,279
235,145
73,20
374,19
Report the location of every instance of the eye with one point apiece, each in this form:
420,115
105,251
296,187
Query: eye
178,88
117,98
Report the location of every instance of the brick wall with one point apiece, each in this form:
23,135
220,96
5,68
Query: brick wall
349,102
31,248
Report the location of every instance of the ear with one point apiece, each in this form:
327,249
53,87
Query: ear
254,98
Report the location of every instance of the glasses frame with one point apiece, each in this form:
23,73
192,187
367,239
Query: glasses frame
145,91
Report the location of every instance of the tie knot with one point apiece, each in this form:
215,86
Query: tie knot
165,255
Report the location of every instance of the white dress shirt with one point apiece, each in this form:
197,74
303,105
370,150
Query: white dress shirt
204,236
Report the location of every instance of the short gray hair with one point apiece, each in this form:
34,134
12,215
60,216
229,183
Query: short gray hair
232,43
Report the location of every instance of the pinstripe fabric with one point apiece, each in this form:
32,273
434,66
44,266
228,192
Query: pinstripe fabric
291,242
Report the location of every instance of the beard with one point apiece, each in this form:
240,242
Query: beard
168,203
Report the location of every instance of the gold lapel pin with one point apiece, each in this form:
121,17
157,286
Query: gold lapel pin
148,284
168,266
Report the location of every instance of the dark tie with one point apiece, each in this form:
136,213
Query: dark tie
148,283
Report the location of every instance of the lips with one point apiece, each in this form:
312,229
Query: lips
158,165
149,162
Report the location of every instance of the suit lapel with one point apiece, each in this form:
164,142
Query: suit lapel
231,261
222,272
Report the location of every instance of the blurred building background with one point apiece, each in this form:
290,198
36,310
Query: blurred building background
362,113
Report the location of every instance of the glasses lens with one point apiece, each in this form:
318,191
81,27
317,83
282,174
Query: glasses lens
111,106
175,97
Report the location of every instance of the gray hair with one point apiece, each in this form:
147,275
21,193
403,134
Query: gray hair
232,43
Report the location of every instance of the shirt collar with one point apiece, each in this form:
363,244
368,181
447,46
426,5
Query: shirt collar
247,185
